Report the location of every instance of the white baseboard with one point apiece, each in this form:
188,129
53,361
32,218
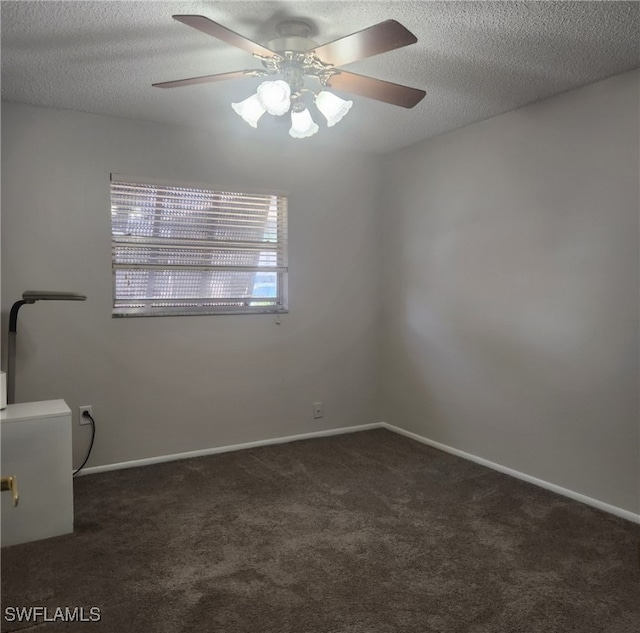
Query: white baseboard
576,496
226,449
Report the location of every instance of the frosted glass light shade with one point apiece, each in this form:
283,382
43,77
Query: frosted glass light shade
302,125
332,107
250,110
275,96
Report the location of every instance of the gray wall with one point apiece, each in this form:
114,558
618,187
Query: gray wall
505,255
511,290
166,385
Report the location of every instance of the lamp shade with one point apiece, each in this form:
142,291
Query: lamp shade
332,107
250,110
302,125
274,96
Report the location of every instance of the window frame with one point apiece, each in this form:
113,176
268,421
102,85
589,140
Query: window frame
203,308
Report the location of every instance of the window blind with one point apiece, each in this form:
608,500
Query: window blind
187,249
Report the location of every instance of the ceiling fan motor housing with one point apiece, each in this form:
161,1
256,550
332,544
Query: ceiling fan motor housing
293,37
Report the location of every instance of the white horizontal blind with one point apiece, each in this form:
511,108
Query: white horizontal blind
186,249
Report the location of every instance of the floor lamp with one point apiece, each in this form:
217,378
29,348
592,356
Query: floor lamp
29,296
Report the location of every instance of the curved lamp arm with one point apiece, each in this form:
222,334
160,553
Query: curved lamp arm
29,296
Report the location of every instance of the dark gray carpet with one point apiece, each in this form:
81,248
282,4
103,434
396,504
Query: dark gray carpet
362,533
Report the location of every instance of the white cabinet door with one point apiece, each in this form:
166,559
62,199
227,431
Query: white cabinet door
35,440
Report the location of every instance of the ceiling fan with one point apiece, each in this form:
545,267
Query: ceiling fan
294,57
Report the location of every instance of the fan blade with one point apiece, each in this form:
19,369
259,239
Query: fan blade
376,39
223,33
209,78
376,89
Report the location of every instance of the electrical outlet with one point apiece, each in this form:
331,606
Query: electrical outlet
318,410
87,408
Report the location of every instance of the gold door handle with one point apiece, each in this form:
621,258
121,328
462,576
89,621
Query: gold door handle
10,483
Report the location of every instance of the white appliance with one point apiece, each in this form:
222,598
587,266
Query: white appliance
35,439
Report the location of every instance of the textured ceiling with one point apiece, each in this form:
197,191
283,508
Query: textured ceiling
474,59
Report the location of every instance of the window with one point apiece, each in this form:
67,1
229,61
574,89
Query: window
181,249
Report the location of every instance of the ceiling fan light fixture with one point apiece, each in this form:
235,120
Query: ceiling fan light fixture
295,57
275,96
250,110
302,125
332,107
